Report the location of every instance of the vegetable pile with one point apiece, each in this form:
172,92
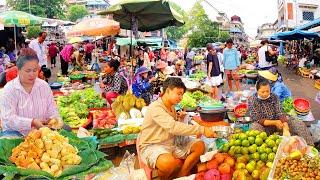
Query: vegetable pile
199,75
102,133
74,109
45,150
287,106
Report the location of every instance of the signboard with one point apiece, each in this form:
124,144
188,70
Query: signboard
290,10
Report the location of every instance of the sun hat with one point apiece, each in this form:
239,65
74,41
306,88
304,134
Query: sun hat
168,70
142,70
161,64
271,74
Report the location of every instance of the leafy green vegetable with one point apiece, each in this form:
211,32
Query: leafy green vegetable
197,95
287,105
198,75
188,101
6,146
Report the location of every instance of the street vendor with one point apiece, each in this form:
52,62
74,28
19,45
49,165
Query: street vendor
277,85
141,86
114,84
266,112
164,140
27,102
160,76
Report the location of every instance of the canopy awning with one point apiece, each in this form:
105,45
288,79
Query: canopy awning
294,35
309,25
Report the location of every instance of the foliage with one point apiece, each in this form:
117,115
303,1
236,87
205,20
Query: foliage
199,28
42,8
33,31
177,33
77,12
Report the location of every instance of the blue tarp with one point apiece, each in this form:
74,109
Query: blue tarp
310,25
235,30
294,35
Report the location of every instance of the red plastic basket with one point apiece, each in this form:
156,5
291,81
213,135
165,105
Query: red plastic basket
301,105
238,107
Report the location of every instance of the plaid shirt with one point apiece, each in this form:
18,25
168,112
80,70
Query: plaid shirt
269,109
115,83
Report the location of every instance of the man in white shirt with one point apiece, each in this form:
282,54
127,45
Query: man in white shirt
263,63
40,48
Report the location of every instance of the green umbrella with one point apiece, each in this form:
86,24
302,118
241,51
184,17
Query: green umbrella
126,41
19,18
150,14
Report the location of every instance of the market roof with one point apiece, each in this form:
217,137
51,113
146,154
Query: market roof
310,25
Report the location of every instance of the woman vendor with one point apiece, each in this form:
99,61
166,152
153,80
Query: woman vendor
164,139
27,102
265,111
114,84
277,85
141,86
160,76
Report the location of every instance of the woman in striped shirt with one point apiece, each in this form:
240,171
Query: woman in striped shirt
27,102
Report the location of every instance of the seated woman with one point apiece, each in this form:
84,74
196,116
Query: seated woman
277,85
164,138
160,76
27,102
141,86
114,84
265,111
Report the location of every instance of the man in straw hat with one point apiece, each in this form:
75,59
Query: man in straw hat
277,85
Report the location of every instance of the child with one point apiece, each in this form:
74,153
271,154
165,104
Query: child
141,86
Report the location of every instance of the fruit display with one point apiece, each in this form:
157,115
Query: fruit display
74,109
131,130
45,150
254,152
124,103
103,119
102,133
221,166
305,167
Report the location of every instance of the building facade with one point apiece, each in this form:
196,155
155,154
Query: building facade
93,6
266,30
237,31
293,13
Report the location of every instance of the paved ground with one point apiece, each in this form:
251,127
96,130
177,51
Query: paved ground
301,87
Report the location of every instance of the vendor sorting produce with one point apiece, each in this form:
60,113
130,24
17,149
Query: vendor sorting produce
164,139
114,84
277,85
266,111
27,101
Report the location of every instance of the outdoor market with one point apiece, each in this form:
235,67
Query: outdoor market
98,98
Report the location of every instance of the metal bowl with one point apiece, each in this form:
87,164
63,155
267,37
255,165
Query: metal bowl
213,115
55,85
252,76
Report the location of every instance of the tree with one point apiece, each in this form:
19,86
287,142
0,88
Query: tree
33,31
77,12
202,29
42,8
177,33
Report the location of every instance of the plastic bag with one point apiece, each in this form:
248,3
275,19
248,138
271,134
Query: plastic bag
125,171
315,131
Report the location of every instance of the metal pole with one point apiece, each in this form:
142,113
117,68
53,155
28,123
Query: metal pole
29,6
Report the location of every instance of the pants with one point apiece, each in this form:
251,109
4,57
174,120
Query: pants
88,57
64,66
53,60
296,127
110,96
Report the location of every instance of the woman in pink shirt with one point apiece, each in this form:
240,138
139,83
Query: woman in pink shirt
27,102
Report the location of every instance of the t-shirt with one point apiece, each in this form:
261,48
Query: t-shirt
215,71
263,63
